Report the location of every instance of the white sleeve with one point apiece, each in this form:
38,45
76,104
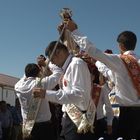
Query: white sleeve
49,82
63,96
54,68
16,87
102,68
82,41
78,85
111,60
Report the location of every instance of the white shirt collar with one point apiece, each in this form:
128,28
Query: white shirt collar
67,62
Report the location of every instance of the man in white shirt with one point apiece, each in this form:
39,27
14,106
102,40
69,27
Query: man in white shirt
104,112
76,89
126,93
42,127
111,83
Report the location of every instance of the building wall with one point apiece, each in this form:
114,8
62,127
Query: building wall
0,93
8,95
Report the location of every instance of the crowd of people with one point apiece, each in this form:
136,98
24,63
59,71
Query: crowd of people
10,121
82,92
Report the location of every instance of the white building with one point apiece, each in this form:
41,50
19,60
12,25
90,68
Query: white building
7,92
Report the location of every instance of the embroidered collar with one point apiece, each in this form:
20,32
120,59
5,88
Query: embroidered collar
133,69
131,52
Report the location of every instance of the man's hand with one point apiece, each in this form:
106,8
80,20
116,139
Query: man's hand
71,25
41,60
39,92
109,129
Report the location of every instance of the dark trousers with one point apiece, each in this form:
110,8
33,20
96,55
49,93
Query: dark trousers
6,132
42,131
129,123
100,130
115,128
69,131
16,132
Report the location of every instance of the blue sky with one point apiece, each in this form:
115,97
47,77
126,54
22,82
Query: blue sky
27,26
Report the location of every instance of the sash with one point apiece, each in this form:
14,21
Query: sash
133,68
83,120
31,116
33,109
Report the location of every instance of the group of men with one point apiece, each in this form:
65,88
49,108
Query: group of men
71,72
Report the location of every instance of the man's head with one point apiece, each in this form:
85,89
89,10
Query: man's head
127,41
60,54
32,70
3,106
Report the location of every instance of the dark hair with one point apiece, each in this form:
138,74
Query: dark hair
51,46
32,70
96,73
108,51
128,39
2,102
42,56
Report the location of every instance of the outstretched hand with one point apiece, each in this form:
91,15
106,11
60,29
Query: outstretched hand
69,25
41,60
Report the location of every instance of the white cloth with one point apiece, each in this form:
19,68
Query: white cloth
104,100
24,88
126,94
102,68
110,75
76,85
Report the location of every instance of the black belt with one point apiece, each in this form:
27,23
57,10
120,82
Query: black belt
130,108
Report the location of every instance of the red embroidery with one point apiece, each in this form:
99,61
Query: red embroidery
133,69
95,94
65,83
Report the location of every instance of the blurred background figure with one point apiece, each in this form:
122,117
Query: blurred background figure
0,131
6,120
17,121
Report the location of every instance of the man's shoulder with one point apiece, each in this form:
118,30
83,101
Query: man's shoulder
77,60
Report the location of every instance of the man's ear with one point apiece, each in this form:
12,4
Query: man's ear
57,52
122,47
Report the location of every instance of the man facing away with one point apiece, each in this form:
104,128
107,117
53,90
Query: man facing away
42,127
